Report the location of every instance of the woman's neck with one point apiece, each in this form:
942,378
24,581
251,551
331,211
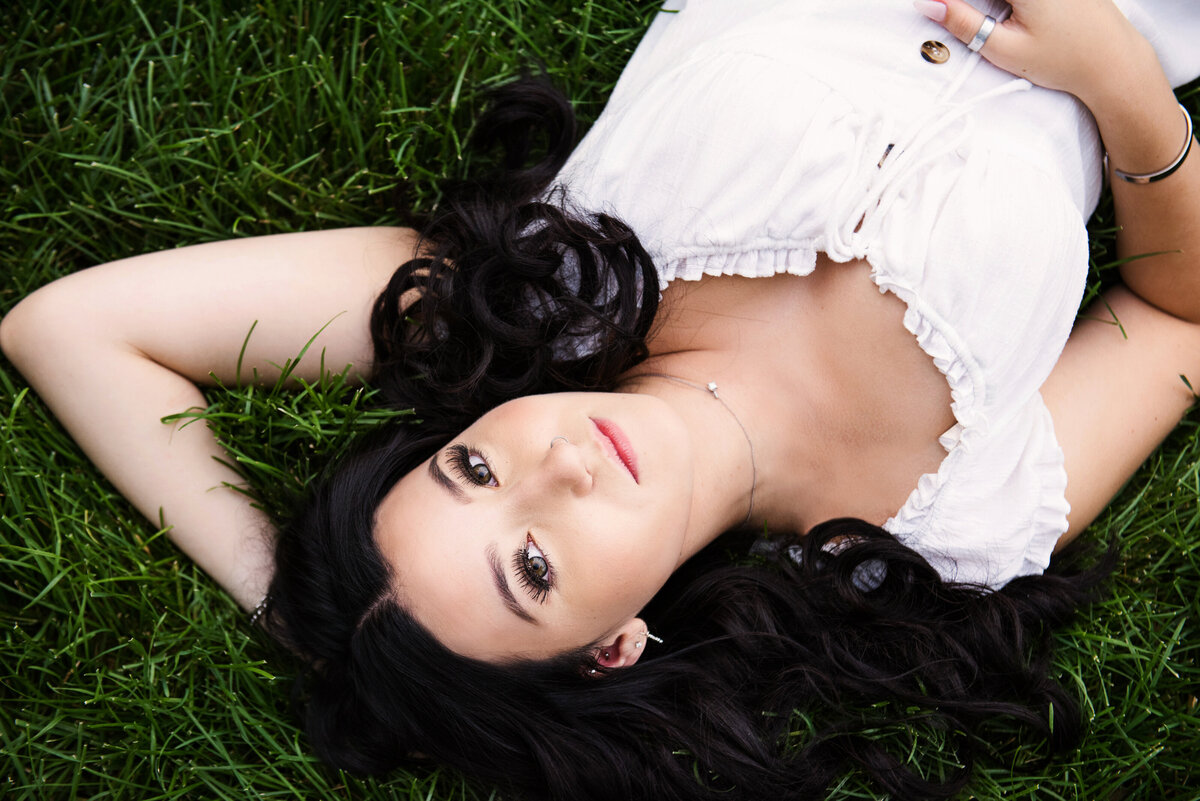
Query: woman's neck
733,454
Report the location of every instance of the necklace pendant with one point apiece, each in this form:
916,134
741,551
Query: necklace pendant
712,387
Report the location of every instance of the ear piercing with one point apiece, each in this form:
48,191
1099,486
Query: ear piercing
607,654
646,635
556,439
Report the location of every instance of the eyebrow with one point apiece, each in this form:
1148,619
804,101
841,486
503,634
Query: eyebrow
506,594
447,483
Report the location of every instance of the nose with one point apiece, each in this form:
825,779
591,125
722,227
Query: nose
564,467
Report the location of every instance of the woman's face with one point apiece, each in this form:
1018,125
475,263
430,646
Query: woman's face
511,543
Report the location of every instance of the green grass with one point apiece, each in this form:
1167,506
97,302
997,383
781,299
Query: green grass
128,127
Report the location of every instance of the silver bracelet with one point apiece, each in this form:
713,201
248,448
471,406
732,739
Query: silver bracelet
1151,177
260,609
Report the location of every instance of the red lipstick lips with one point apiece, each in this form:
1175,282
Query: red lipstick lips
616,445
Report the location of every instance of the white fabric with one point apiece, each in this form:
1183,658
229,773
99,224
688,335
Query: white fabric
746,136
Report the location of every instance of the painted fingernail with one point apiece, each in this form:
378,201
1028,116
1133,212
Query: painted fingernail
933,9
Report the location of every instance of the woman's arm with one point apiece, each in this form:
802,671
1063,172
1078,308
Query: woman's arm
1119,387
115,348
1144,132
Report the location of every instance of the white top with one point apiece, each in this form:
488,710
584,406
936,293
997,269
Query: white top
747,136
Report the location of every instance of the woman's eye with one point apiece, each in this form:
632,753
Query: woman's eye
536,562
533,570
479,470
472,466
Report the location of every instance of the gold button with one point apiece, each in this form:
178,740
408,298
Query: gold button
935,52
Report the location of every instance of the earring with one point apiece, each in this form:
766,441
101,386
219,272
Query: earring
650,636
606,654
556,439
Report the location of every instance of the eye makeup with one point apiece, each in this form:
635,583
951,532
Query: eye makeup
533,570
472,466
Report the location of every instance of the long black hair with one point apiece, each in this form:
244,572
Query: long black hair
844,627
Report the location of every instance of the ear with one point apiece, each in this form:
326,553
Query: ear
625,646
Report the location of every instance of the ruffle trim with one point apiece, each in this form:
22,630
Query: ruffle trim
938,340
1049,520
792,258
915,521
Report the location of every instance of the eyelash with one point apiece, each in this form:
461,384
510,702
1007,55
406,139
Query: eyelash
460,460
538,587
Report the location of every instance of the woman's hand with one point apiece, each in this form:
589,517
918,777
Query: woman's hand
1079,46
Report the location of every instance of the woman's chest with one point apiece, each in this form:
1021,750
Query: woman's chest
830,360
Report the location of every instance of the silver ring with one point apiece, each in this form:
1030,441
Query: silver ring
981,35
556,439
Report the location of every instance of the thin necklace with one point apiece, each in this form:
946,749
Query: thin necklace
711,387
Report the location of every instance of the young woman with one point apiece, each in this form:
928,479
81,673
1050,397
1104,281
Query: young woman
868,237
